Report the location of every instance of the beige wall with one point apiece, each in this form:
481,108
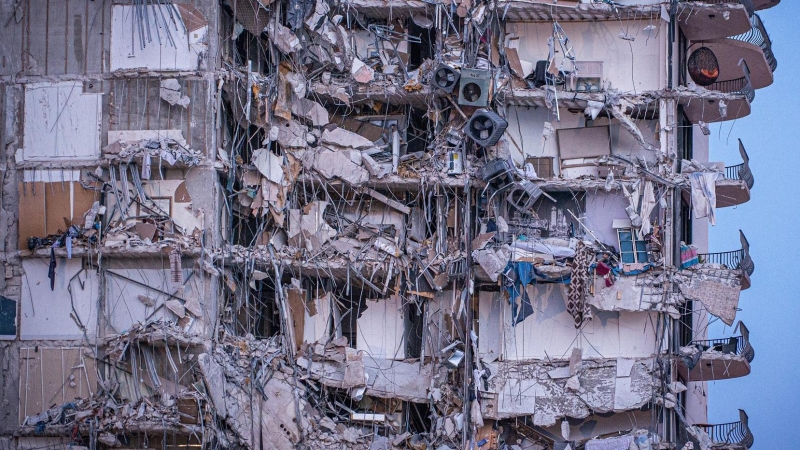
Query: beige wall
638,65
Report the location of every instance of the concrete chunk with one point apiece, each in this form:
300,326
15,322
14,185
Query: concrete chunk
343,138
332,164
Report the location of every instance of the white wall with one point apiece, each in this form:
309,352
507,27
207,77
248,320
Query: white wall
46,313
127,51
526,126
61,122
380,329
638,65
145,277
601,210
550,332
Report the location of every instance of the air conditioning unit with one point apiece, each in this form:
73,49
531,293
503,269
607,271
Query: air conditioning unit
485,127
474,87
445,78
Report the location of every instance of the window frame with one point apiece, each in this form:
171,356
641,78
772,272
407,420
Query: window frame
638,247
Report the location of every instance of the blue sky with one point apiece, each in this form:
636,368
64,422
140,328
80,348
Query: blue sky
771,221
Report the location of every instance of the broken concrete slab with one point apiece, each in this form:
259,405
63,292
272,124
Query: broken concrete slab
171,93
176,307
341,138
311,111
332,164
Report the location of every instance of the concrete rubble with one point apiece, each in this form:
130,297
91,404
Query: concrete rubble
377,225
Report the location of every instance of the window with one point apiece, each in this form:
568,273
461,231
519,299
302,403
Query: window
631,250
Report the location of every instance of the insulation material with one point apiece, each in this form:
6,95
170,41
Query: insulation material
717,289
61,122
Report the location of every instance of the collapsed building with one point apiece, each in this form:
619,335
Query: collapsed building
371,224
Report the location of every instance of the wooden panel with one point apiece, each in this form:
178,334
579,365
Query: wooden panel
51,376
57,207
30,383
96,42
31,212
81,202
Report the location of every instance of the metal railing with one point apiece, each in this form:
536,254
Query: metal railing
735,259
741,171
758,36
737,345
734,433
738,86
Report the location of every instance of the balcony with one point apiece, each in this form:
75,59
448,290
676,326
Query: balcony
740,93
729,436
701,20
765,4
735,188
746,62
717,359
734,260
754,46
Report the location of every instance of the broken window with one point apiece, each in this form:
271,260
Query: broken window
631,249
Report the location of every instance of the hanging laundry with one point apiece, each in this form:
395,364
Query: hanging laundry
520,275
704,195
51,271
576,292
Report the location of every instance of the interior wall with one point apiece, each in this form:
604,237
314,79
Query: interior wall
549,333
62,121
629,65
380,330
55,314
526,129
137,290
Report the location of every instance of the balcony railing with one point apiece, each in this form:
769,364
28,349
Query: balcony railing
737,345
758,36
741,171
736,259
739,86
734,433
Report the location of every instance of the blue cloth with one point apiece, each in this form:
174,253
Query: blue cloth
520,275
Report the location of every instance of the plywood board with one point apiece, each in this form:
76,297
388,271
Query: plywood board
51,376
57,207
31,212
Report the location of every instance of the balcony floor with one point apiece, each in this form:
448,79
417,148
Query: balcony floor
730,51
710,23
732,193
716,366
707,110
